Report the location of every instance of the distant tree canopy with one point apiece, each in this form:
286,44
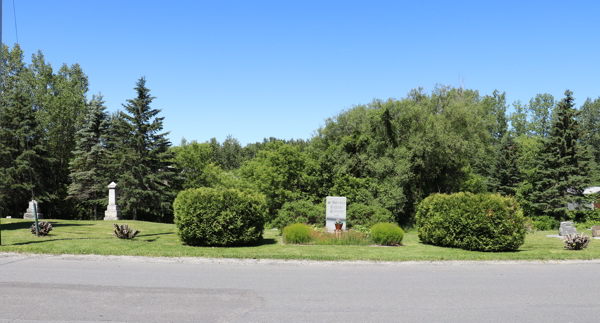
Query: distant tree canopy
387,155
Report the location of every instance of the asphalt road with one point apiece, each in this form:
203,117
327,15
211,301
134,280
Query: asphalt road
130,289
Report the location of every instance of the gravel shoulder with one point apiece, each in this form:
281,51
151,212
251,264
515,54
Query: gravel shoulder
276,262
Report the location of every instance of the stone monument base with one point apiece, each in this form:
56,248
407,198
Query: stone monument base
32,216
112,213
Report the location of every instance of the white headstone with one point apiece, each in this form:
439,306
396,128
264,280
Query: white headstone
335,209
112,210
29,213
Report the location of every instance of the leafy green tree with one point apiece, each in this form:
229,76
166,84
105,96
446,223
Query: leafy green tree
89,169
540,110
23,157
589,119
148,182
194,161
518,119
564,163
496,107
283,175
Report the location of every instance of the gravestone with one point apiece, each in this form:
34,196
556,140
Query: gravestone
566,228
596,231
335,209
29,213
112,210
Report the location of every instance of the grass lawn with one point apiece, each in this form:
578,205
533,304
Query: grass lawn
160,240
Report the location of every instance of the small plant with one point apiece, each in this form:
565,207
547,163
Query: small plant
45,228
387,234
338,221
576,241
297,233
124,231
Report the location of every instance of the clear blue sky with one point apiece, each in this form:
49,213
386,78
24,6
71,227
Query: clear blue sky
256,69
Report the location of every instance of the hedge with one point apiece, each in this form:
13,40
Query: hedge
484,222
219,217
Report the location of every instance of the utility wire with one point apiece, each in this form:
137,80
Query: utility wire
15,14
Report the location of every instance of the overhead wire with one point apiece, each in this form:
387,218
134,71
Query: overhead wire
15,15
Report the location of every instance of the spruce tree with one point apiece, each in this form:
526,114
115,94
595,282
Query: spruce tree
22,155
564,163
146,180
89,173
506,175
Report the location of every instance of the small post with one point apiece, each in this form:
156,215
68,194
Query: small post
37,225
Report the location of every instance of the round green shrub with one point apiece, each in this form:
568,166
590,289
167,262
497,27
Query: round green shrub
367,215
387,234
297,233
299,212
484,222
219,217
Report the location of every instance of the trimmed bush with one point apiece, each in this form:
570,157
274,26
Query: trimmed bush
367,215
387,234
484,222
297,233
299,212
219,217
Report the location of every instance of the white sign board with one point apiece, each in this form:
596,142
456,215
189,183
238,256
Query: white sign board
335,208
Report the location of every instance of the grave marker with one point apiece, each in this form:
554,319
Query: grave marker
335,208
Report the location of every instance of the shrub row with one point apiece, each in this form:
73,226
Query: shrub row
386,234
484,222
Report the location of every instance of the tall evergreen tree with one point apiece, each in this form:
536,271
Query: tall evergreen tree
148,183
564,163
22,155
506,174
89,173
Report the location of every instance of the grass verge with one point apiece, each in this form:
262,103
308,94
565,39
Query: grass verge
160,240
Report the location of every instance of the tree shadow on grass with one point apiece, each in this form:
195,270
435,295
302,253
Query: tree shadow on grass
27,225
50,240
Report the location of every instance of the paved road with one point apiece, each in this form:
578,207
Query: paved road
128,289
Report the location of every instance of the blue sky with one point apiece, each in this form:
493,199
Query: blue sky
256,69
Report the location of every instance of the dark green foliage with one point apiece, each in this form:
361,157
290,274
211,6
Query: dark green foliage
89,171
506,174
564,168
484,222
45,228
23,156
387,234
142,162
60,101
576,241
299,212
297,233
219,217
124,231
367,215
545,223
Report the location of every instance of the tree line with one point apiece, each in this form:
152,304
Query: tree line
63,149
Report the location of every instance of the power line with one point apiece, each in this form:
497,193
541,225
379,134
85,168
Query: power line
15,15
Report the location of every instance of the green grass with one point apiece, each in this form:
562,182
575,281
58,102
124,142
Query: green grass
160,240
